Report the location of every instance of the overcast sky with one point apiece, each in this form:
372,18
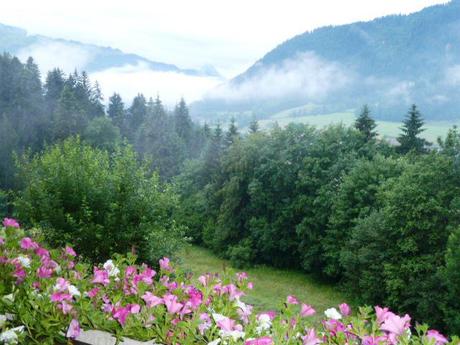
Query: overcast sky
230,35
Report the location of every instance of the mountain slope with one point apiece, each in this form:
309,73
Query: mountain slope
389,63
90,57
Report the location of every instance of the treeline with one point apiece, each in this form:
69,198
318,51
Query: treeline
34,114
381,220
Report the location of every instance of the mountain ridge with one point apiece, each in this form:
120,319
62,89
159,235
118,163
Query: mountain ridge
14,40
389,62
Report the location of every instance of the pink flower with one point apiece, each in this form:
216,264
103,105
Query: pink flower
171,303
61,285
292,300
373,340
20,274
93,292
260,341
2,241
226,324
65,307
70,251
310,338
101,277
120,314
44,272
306,310
73,330
203,280
27,243
345,309
232,291
130,270
437,337
395,324
151,300
10,223
42,253
134,308
250,285
58,297
382,314
196,298
164,264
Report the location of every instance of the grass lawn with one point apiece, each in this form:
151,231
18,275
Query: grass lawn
271,286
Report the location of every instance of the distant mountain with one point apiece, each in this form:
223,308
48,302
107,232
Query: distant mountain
388,63
94,58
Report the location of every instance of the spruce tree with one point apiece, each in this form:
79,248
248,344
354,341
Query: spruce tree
253,126
116,111
232,133
182,122
213,154
366,124
409,139
137,114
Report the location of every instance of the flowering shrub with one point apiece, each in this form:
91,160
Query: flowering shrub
47,296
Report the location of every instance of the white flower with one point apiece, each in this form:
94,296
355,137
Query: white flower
264,323
218,317
235,334
214,342
8,298
10,336
110,267
25,261
2,320
332,313
74,291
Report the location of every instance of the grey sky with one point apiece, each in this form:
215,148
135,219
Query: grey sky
230,35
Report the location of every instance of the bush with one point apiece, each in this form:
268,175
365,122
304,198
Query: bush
102,203
48,297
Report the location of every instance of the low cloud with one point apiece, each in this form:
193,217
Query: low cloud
49,55
129,80
306,76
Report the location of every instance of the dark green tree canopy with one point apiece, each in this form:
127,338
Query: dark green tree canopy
409,139
366,124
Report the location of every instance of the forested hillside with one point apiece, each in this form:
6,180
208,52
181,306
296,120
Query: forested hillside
389,62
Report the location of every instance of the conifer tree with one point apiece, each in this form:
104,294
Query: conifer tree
409,139
232,133
183,122
213,154
253,126
116,111
366,124
137,114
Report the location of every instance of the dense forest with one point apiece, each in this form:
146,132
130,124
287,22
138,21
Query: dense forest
380,220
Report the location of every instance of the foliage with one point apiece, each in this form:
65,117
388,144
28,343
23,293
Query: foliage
103,204
49,297
412,127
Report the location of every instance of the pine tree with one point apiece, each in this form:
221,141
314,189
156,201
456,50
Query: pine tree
137,114
412,127
69,117
53,88
253,126
213,154
116,111
366,124
232,133
182,122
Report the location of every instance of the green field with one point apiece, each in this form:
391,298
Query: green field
271,286
434,129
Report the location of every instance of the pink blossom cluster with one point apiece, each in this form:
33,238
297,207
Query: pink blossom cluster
170,306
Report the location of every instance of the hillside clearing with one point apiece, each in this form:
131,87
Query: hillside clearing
271,285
